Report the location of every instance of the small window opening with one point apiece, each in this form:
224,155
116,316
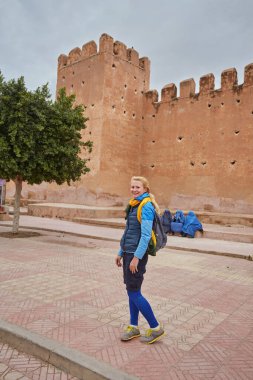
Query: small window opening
237,132
113,66
203,163
238,100
152,166
180,138
233,162
209,105
192,163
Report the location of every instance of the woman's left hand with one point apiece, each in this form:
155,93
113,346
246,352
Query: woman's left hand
134,264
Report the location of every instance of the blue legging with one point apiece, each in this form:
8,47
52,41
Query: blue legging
137,303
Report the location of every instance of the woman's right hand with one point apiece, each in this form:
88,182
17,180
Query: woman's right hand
118,261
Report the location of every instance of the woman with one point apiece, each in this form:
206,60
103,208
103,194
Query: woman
133,251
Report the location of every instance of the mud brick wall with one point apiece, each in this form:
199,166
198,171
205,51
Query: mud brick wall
196,148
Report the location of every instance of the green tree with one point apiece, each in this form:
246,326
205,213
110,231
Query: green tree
40,140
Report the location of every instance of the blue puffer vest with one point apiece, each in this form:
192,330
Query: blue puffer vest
131,237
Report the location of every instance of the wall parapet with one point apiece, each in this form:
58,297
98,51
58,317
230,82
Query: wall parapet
248,74
187,88
152,96
229,79
74,55
169,92
229,82
106,45
89,49
206,84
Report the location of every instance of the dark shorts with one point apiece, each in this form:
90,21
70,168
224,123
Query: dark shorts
133,281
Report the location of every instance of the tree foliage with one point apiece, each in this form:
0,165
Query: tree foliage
40,139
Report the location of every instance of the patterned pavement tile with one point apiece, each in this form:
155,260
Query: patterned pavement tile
48,287
69,333
75,295
19,366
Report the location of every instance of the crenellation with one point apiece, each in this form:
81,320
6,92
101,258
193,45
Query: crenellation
89,49
144,63
120,50
62,61
152,96
74,55
133,56
206,84
169,92
187,88
248,74
105,43
229,79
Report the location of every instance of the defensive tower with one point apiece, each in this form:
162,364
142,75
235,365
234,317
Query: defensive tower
110,82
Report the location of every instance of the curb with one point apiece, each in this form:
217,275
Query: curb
69,360
63,232
209,252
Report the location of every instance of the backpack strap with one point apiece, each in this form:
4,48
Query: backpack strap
139,213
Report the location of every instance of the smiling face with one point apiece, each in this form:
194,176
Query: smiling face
137,188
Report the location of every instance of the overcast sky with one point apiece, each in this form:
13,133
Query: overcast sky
182,38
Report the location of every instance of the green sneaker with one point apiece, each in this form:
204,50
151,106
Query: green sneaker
151,335
130,333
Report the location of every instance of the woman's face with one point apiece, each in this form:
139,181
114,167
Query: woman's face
137,188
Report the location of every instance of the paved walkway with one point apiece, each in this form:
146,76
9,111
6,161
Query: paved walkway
66,288
15,365
215,246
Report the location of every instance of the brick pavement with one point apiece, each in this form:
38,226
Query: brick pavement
68,289
15,365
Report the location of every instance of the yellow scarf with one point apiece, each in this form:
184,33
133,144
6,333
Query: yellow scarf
134,202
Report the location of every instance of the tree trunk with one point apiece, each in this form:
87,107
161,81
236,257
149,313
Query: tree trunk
16,211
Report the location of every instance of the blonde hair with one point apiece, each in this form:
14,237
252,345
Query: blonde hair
146,186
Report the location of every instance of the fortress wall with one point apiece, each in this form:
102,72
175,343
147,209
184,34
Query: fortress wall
195,148
198,147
